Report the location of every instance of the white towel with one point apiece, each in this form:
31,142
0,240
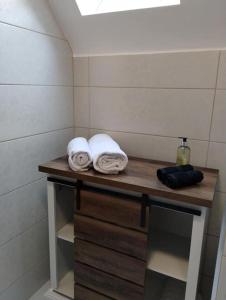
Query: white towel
107,156
79,156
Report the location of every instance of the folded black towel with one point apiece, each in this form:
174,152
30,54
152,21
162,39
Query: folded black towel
161,173
183,179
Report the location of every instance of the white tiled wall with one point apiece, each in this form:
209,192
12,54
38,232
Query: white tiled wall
36,122
221,287
146,101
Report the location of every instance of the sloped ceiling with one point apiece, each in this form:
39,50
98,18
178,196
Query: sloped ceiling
195,24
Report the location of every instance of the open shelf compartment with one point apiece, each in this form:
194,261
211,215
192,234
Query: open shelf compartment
169,255
66,233
66,285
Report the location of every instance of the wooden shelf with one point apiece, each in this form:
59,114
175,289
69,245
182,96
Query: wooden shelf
66,285
140,176
67,233
169,255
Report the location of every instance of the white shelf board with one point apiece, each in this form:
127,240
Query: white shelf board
169,255
66,233
66,285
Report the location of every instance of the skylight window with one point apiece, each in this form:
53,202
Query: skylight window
92,7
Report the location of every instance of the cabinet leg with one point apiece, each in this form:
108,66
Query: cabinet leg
198,232
51,193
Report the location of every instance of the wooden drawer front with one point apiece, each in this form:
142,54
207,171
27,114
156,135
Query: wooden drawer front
106,284
112,208
111,236
82,293
110,261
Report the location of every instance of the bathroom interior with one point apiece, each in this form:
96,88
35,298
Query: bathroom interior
99,198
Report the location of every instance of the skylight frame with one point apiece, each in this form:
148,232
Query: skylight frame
93,7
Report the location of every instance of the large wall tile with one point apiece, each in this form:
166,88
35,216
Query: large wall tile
81,71
33,15
219,117
29,283
216,214
27,110
145,101
21,209
216,159
221,84
166,112
225,245
22,253
20,158
156,147
221,295
30,58
81,107
210,255
83,132
167,70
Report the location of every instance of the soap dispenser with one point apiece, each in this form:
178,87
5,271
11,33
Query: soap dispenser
183,152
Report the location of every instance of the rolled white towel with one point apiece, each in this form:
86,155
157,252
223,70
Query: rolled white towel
79,156
108,158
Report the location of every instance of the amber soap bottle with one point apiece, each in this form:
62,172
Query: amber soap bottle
183,152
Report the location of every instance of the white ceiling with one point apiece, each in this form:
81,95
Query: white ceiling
195,24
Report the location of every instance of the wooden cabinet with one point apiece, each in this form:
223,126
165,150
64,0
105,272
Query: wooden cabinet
101,247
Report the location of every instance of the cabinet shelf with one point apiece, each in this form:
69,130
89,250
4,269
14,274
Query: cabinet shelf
66,233
66,285
169,255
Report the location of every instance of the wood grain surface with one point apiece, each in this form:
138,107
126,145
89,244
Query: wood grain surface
140,176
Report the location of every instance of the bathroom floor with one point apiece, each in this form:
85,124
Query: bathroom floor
42,294
39,295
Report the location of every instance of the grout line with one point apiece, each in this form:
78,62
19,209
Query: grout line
154,52
31,84
148,134
36,134
34,31
25,231
74,111
24,185
213,106
141,133
144,87
74,95
89,95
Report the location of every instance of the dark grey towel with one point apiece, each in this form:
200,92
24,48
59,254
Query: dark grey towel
162,173
183,179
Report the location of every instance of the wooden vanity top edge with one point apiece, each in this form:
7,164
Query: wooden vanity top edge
201,195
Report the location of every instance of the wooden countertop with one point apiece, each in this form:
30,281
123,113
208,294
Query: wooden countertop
140,176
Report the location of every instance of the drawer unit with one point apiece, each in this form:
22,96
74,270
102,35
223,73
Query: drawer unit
106,284
114,208
111,244
109,261
82,293
131,242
